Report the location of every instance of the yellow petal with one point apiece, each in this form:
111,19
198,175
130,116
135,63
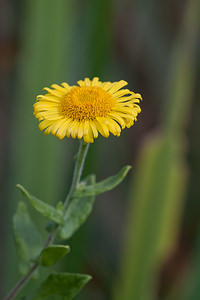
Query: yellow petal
66,86
88,138
87,82
59,88
117,86
102,128
57,125
94,129
44,124
95,81
53,92
48,97
80,130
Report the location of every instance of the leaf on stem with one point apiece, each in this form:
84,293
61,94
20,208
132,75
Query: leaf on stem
77,212
27,237
103,186
66,285
43,208
52,254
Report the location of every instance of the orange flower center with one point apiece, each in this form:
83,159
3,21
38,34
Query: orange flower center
86,103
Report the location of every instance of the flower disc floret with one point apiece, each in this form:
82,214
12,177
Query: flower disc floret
86,110
86,103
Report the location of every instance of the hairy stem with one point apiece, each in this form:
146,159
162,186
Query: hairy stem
80,160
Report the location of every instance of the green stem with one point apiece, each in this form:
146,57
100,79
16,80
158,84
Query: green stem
80,160
21,283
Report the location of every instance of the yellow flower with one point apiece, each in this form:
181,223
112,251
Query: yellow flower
85,110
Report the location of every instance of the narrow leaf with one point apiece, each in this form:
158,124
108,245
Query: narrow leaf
27,237
52,254
65,285
103,186
77,212
153,216
43,208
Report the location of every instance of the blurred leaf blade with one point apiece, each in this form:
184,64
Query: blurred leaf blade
65,285
27,237
191,290
181,77
153,217
52,254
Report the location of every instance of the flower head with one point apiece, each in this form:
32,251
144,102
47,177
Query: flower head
86,110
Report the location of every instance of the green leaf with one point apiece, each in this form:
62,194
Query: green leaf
77,212
27,237
103,186
43,208
65,285
153,218
52,254
59,206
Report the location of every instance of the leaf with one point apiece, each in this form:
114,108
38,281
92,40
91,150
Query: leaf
43,208
103,186
52,254
27,237
65,285
77,212
59,206
153,219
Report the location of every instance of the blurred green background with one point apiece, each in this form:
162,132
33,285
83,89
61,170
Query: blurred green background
142,241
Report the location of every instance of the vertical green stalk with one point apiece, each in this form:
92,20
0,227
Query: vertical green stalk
181,77
83,149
